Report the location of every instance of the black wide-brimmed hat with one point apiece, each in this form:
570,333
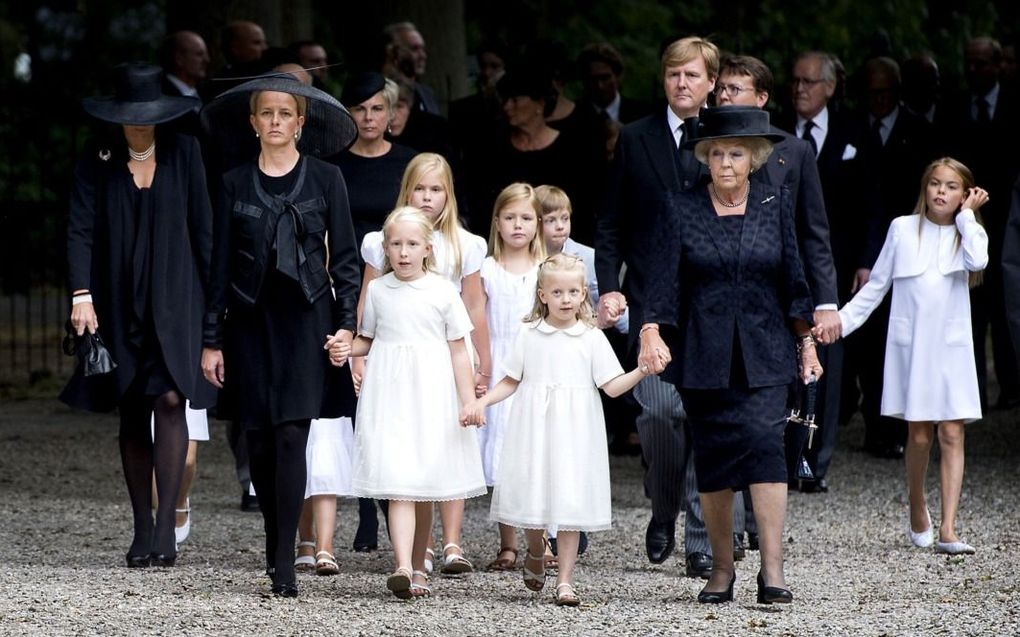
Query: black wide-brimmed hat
729,122
138,98
328,127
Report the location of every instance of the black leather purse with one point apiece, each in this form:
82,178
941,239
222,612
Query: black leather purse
803,414
93,357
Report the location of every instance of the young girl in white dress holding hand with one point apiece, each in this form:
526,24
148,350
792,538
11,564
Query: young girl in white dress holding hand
930,259
554,461
409,445
509,273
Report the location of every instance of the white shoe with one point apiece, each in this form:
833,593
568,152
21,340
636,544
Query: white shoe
182,532
954,548
925,538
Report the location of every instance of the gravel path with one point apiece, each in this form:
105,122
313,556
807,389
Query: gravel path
66,527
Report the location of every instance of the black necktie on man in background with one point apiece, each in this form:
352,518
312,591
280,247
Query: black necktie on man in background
983,116
808,137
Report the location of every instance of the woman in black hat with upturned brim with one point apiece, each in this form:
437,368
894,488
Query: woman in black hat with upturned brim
734,306
285,278
139,244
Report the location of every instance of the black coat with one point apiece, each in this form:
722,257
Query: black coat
100,238
1011,269
713,296
272,327
645,173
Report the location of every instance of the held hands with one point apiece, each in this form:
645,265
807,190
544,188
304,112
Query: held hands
212,366
481,384
473,413
611,307
83,317
339,347
976,197
828,328
654,354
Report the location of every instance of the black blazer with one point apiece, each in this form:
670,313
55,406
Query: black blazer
101,235
645,174
792,164
713,296
1011,269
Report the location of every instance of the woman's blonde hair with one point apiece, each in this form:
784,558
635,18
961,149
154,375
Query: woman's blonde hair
302,103
448,220
417,217
566,263
552,199
921,207
513,193
759,147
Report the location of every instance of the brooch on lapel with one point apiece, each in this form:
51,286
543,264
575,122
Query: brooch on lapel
768,199
105,154
782,161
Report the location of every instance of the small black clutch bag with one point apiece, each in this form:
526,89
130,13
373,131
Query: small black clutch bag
93,357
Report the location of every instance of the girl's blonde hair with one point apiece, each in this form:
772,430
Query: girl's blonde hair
417,217
510,195
567,263
448,221
921,208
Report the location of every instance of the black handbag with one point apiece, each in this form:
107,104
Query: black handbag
93,357
803,414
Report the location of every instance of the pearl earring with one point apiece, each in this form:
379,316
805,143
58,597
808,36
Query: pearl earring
256,135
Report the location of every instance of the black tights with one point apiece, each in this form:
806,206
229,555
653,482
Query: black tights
142,456
277,460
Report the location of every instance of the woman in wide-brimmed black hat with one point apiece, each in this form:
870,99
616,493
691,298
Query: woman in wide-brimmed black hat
286,279
139,246
734,306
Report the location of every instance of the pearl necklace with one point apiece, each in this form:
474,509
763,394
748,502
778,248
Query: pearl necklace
731,205
145,154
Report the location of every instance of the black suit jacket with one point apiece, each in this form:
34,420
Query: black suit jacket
792,164
645,173
714,291
1011,269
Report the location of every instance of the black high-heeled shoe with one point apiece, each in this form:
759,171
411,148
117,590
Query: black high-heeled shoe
138,561
717,597
163,560
772,594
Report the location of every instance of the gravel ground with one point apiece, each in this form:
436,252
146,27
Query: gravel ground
66,527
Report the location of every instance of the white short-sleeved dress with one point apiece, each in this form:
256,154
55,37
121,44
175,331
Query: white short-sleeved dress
555,463
930,374
510,299
331,441
198,423
409,444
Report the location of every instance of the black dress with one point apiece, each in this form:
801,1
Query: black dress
145,255
276,322
373,185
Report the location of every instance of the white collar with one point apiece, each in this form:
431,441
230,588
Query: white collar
673,121
576,329
186,90
820,120
613,108
421,283
992,96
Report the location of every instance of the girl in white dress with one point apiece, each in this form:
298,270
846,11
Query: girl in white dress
509,274
409,444
428,185
930,259
555,464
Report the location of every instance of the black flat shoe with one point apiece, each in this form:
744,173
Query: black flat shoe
660,540
138,561
718,597
699,565
772,594
285,590
161,559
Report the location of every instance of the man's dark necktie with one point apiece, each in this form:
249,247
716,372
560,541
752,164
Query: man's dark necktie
876,133
808,137
983,116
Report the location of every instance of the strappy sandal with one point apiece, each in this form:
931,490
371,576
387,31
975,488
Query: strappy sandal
534,581
503,563
326,565
399,583
430,557
305,563
182,532
420,590
566,595
456,564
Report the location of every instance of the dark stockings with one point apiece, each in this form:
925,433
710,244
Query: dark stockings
142,456
277,461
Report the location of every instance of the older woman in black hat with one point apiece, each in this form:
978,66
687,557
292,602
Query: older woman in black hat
734,306
285,272
139,241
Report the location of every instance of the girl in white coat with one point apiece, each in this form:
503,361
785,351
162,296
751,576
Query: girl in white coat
930,259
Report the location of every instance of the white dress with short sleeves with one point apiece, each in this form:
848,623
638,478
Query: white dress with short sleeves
472,253
555,463
409,444
930,372
510,299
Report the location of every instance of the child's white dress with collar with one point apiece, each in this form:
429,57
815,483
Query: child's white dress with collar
554,469
930,373
409,444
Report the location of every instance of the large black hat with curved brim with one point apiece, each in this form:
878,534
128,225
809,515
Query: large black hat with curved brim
138,98
328,127
729,122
